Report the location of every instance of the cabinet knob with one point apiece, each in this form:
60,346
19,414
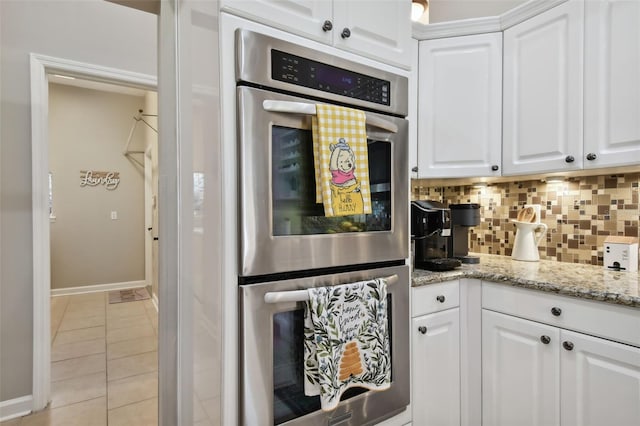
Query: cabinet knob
414,169
422,329
327,26
569,159
556,311
346,33
545,339
567,345
591,156
495,168
440,299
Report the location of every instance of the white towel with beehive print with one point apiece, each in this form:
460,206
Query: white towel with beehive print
346,340
341,160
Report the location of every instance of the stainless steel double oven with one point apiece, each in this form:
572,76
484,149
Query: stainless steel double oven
286,241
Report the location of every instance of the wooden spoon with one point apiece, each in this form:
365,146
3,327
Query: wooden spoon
527,214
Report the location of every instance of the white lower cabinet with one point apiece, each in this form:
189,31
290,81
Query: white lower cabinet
436,368
538,374
600,381
520,372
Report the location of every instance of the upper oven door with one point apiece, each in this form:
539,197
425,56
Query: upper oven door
282,227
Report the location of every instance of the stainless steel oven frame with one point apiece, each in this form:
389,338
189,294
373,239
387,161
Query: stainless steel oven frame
262,253
256,381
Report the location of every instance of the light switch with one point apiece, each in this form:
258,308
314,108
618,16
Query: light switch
114,215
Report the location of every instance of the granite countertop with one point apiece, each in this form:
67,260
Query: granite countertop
567,279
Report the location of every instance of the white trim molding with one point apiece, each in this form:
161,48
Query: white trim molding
41,66
66,291
16,407
489,24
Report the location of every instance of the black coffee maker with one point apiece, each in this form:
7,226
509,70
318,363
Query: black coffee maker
431,232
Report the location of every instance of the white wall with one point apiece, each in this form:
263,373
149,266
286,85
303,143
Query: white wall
88,130
452,10
92,31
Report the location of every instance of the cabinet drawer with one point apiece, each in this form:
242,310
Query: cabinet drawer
434,297
618,323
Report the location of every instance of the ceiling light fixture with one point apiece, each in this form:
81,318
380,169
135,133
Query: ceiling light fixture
417,9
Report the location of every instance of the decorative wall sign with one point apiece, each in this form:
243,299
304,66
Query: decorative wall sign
110,180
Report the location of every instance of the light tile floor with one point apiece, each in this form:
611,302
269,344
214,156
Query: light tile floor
104,364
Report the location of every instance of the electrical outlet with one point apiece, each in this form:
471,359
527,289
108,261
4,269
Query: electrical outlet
114,215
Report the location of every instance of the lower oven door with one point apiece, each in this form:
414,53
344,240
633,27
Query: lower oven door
272,370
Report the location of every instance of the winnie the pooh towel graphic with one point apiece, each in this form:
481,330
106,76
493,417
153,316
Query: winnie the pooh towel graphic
346,197
341,160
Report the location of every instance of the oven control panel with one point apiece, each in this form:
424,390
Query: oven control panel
304,72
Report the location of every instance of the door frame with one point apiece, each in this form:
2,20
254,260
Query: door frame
41,66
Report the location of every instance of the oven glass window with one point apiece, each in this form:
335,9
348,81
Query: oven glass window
295,211
289,400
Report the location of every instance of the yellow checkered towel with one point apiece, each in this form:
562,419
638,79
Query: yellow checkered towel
341,160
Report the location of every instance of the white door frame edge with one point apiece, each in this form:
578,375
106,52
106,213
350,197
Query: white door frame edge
42,65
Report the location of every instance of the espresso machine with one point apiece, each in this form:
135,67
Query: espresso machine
431,235
463,217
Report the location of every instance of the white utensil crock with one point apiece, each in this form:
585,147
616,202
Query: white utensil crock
525,246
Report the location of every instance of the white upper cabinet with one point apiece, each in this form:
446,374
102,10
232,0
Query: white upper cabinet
612,83
378,29
459,106
543,84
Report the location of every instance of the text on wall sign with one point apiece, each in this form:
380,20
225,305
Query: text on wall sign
110,180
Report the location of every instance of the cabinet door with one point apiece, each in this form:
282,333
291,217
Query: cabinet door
302,17
600,382
520,373
542,110
413,111
378,29
460,106
436,368
612,83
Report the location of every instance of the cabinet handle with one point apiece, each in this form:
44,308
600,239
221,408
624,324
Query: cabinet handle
545,339
591,156
422,329
556,311
569,159
567,345
495,168
346,33
440,299
327,26
414,169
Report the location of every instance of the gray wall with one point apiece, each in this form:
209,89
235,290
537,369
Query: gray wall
88,130
91,31
452,10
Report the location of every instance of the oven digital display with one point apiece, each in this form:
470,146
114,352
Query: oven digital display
328,78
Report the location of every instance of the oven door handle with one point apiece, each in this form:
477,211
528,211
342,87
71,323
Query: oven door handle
310,109
303,295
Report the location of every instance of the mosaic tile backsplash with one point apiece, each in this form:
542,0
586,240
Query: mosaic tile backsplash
580,213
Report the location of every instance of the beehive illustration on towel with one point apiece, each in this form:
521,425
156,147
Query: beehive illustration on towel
350,364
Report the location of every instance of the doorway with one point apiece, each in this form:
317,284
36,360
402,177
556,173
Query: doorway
42,67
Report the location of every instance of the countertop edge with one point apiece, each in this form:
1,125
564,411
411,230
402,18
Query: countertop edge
548,287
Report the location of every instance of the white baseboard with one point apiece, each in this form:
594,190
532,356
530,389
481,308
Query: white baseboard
16,407
154,299
95,288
